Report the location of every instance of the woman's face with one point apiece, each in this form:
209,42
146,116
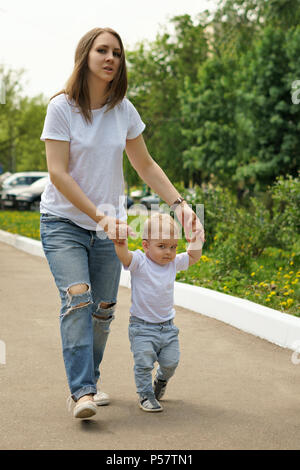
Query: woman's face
104,57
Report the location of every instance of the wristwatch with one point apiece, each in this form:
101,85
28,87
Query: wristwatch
176,203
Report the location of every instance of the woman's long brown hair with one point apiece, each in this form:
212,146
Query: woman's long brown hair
76,87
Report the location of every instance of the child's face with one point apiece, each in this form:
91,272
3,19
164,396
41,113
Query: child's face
161,251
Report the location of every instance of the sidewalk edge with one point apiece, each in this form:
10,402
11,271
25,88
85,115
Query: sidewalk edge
266,323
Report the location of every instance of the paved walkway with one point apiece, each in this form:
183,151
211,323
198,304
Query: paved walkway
231,390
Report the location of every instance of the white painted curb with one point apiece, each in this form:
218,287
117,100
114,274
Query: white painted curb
274,326
34,247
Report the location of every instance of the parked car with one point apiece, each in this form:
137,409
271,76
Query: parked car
151,202
30,198
137,194
4,176
129,202
12,185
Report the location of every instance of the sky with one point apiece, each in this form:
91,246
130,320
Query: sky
41,36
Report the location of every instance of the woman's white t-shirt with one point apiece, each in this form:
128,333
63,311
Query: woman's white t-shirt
96,156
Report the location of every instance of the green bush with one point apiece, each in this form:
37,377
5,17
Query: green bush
285,209
241,233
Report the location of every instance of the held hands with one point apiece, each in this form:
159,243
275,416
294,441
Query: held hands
116,230
193,229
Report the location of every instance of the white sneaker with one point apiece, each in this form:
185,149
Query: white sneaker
101,398
83,410
86,409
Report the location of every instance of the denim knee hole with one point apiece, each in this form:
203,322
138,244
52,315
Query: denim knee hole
109,307
79,296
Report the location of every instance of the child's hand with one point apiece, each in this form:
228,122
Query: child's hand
194,250
196,245
193,228
116,230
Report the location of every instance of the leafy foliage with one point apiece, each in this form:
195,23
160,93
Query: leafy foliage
21,122
241,127
156,74
216,93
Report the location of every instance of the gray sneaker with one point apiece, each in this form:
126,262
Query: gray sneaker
159,388
150,404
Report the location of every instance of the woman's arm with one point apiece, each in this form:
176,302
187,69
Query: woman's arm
153,175
58,154
149,170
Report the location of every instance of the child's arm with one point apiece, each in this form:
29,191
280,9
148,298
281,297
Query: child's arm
124,255
194,251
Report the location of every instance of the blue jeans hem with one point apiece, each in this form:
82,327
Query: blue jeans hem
146,394
86,390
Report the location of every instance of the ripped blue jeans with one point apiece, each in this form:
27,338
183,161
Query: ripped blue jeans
77,256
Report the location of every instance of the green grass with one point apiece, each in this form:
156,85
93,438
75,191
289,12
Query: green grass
274,280
24,223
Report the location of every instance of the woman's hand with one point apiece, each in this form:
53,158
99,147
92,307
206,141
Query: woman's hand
116,230
193,228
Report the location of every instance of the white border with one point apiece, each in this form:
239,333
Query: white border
274,326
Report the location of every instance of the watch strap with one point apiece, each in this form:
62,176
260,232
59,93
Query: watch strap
176,203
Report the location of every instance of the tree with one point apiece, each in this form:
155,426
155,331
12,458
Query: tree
11,83
157,72
208,126
240,124
21,122
266,116
30,150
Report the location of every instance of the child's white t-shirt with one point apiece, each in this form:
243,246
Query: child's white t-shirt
152,286
96,156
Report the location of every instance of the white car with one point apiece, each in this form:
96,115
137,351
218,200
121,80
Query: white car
30,197
15,182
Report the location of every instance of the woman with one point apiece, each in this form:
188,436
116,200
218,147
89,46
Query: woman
87,127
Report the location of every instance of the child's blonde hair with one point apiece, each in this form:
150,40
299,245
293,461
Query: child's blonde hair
160,226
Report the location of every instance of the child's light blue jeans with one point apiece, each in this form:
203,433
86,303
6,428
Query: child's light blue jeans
77,256
151,342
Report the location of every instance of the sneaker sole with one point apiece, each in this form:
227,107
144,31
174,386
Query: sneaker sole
102,402
155,410
86,411
160,396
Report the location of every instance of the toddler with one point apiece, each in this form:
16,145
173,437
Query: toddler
152,333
